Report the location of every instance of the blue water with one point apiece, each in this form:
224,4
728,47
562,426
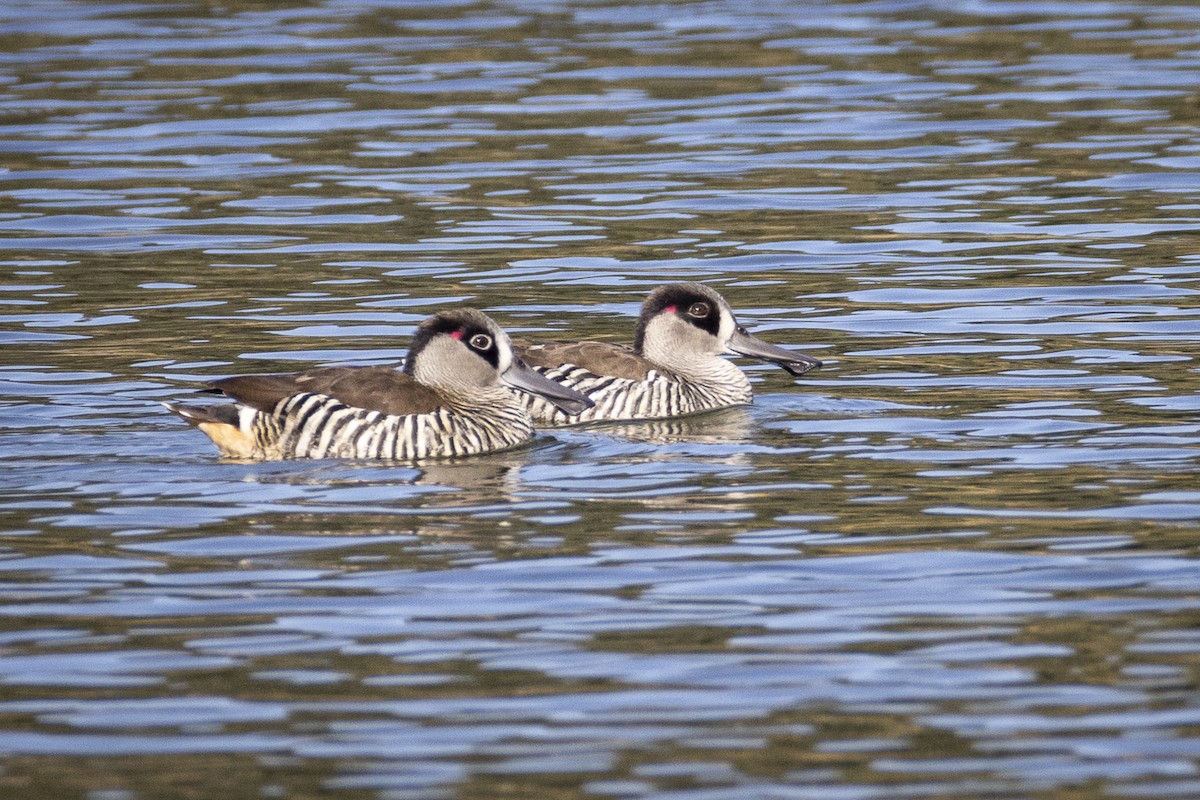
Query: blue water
958,561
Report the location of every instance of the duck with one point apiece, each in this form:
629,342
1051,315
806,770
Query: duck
453,397
674,368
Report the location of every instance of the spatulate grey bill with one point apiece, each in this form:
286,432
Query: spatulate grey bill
522,377
745,344
451,399
675,366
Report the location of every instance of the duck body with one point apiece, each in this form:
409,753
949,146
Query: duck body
452,399
625,386
308,415
675,367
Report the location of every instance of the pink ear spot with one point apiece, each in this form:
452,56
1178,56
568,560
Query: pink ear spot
670,310
456,334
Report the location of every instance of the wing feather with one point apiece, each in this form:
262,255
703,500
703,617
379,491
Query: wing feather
380,389
599,358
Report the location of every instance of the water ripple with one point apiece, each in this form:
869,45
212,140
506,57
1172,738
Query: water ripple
957,561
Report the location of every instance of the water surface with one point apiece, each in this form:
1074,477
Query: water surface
958,561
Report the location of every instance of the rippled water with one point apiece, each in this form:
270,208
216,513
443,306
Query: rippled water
959,561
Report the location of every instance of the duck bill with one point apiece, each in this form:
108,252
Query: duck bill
752,347
524,379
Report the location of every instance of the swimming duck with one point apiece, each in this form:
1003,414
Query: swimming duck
450,400
674,367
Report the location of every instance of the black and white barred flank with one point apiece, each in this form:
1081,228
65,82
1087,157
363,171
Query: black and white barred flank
659,395
318,426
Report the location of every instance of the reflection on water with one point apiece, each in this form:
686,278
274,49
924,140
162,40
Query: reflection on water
727,427
959,561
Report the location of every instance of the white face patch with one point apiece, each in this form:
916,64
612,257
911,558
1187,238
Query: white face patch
505,356
728,325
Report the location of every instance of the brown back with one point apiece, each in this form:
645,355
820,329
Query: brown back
599,358
373,388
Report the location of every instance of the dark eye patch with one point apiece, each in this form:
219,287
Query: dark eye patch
700,311
462,329
482,344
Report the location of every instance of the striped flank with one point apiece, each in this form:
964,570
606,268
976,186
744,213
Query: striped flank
318,426
660,395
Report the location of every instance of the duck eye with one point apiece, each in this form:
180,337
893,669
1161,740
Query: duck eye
698,310
481,342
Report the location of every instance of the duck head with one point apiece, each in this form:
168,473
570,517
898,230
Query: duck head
462,351
681,322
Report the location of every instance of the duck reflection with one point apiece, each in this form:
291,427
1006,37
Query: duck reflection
726,426
479,479
449,497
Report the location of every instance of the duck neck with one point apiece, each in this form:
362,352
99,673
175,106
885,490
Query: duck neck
711,374
486,401
492,418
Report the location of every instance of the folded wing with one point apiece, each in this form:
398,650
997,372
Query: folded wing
372,388
599,358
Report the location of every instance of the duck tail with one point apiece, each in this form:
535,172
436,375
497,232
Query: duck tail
231,427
